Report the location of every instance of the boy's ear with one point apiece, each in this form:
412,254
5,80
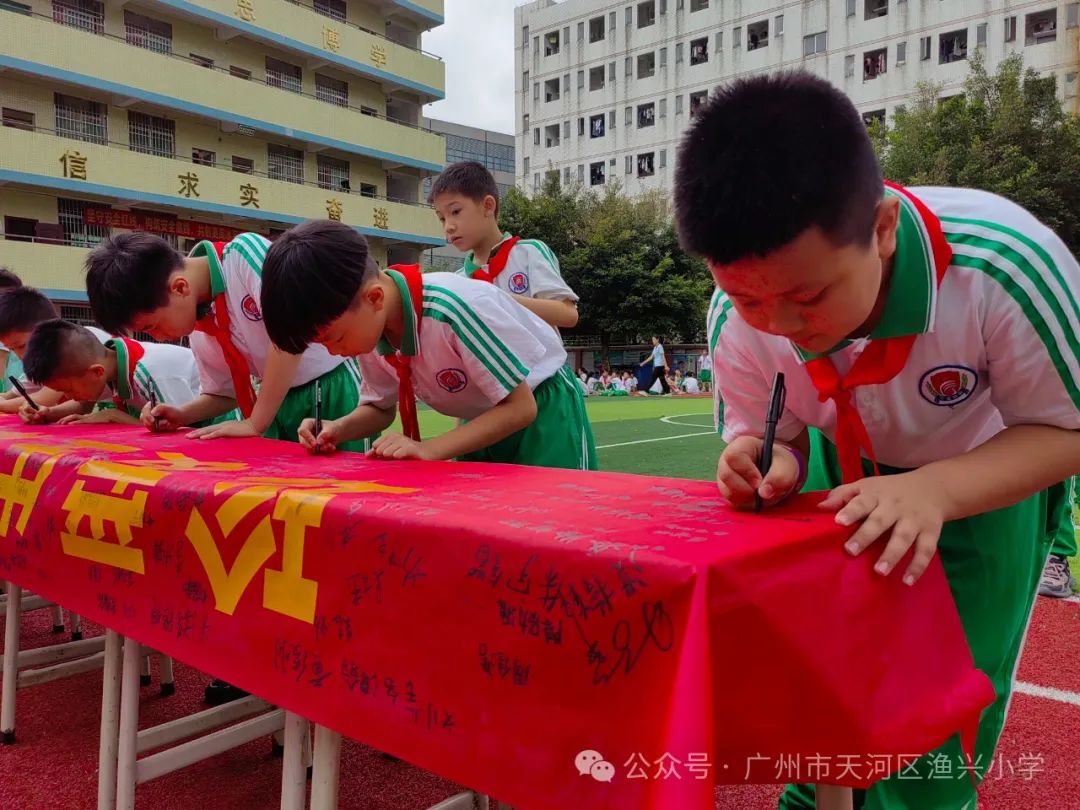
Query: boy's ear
490,205
886,223
97,370
179,284
374,295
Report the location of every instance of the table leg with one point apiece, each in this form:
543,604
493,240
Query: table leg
293,769
110,721
165,675
327,769
129,726
11,663
57,619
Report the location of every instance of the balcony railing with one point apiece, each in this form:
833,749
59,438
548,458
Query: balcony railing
311,7
88,23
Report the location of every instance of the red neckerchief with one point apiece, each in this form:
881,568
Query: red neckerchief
135,352
400,362
497,262
882,360
216,324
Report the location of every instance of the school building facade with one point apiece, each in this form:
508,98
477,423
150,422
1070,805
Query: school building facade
605,88
199,119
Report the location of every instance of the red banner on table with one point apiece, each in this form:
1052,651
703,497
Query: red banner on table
155,223
549,637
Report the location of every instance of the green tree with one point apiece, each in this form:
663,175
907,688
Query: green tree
622,257
1008,134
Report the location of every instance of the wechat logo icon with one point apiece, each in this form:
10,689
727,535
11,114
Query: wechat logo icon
592,763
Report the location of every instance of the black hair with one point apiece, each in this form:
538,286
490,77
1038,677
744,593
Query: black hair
8,280
128,275
23,308
769,157
58,348
310,276
468,178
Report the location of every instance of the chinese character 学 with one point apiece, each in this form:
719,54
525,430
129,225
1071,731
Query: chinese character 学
245,10
378,55
334,209
331,38
249,195
188,184
382,218
74,164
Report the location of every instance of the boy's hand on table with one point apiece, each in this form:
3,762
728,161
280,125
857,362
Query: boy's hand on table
31,416
906,509
226,430
738,478
396,446
101,417
326,442
162,418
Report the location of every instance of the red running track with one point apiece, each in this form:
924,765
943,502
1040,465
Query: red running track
54,763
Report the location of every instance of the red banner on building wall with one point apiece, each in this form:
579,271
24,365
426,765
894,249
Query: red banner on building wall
549,637
154,223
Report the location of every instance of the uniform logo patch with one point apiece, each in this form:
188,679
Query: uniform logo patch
948,385
250,309
452,380
519,283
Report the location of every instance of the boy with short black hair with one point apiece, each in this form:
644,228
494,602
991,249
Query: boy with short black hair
138,282
466,200
461,346
928,338
110,382
10,365
21,310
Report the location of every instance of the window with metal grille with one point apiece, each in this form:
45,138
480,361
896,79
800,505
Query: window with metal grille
203,157
332,91
89,15
333,173
171,238
151,134
334,9
284,163
144,32
76,231
81,119
283,75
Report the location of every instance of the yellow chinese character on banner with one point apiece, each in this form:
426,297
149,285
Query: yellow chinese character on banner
74,164
249,195
21,488
378,55
382,218
334,209
188,184
123,509
245,10
299,506
331,38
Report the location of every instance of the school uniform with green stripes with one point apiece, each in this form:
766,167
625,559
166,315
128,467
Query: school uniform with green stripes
996,345
532,270
472,347
238,274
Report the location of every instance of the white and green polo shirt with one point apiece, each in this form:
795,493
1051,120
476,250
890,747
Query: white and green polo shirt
238,274
169,371
472,347
532,270
997,343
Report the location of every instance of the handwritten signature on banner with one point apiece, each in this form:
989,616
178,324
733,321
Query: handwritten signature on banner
107,502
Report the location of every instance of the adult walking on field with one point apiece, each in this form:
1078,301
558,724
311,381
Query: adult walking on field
659,366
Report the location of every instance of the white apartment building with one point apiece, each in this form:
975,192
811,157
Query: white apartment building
604,89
